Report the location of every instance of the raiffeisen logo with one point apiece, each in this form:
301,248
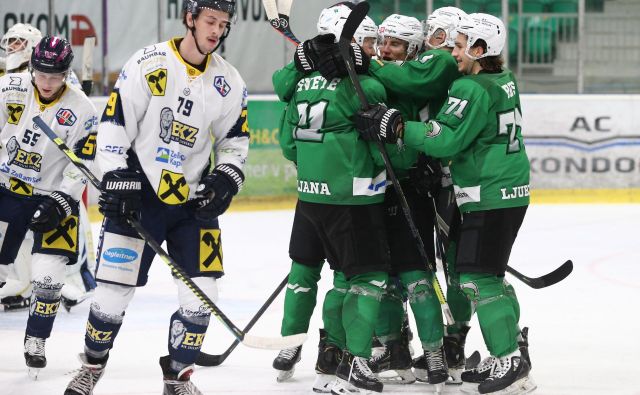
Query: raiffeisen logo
119,255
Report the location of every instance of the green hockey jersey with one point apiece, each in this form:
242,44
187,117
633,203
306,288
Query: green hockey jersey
479,130
335,166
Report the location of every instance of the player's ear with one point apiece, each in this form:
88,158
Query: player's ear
190,21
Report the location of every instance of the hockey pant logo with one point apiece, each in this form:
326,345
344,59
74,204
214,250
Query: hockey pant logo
173,188
210,250
15,112
20,187
64,237
157,81
298,288
100,337
177,335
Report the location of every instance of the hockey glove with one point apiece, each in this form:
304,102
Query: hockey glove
331,65
308,52
426,176
379,123
217,189
51,211
121,195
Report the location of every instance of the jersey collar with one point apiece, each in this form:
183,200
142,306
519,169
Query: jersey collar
191,71
43,106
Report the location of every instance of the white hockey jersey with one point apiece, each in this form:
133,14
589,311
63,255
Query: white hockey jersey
29,162
176,119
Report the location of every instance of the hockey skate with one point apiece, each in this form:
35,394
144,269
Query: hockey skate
286,361
393,365
329,357
15,295
353,376
509,376
34,355
432,369
523,345
454,351
180,383
87,377
471,378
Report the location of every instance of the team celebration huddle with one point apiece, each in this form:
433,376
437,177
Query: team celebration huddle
406,137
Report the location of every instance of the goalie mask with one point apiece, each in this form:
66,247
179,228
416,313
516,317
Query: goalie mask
18,44
405,28
196,6
447,19
484,27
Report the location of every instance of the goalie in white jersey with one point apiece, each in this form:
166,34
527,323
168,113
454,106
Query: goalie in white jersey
171,144
39,188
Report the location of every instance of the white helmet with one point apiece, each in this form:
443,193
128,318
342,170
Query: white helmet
366,29
484,27
446,18
27,35
332,20
406,28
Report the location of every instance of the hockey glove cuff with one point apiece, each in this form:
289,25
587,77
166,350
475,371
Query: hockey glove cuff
331,64
379,123
121,195
308,52
217,190
51,211
426,176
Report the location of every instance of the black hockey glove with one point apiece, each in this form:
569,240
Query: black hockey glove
426,176
121,195
51,211
331,65
308,52
380,123
217,189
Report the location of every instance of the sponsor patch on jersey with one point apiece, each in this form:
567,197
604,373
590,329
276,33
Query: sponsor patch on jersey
170,157
20,187
172,130
21,158
157,81
173,188
40,308
90,124
210,251
15,111
119,255
221,85
120,259
66,117
64,237
15,81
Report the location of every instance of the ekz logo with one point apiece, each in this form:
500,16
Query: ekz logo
119,255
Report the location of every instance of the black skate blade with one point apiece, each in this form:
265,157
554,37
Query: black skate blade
473,360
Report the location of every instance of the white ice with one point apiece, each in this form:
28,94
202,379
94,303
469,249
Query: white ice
583,331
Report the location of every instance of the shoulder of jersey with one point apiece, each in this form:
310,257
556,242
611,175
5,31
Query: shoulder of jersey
77,95
222,66
22,80
151,56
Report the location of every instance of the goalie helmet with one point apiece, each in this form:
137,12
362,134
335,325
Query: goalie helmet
23,37
484,27
447,19
332,20
366,29
406,28
52,55
195,6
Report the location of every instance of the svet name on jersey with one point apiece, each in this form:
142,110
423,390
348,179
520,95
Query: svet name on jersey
317,83
316,188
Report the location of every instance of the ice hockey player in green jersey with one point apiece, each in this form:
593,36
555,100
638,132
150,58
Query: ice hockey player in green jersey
479,129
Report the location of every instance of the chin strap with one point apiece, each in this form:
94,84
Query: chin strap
227,30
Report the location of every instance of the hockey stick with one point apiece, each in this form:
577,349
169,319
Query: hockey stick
276,343
279,17
356,16
87,65
205,359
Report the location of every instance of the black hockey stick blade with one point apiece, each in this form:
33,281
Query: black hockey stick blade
205,359
472,361
357,15
279,18
548,279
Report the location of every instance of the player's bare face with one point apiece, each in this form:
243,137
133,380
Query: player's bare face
210,26
393,49
465,63
369,46
48,84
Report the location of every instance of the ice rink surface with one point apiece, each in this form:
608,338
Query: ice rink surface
583,331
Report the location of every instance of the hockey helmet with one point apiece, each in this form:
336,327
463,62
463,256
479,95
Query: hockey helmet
405,28
194,6
26,36
484,27
447,19
332,20
366,29
52,55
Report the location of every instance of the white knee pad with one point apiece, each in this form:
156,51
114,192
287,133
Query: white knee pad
111,300
47,274
189,301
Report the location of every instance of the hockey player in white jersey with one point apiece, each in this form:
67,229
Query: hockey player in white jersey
39,189
171,146
18,43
